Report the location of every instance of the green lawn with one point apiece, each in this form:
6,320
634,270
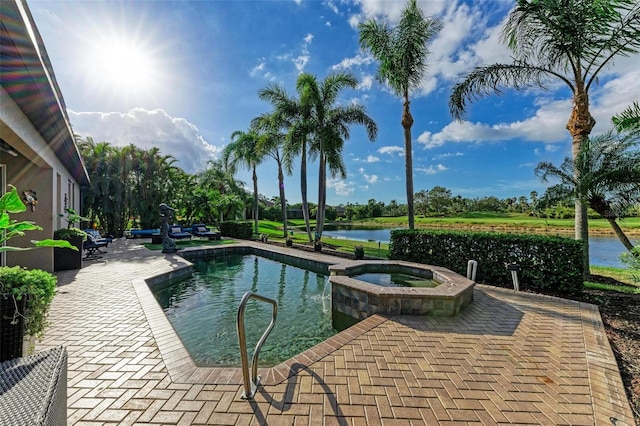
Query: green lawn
506,220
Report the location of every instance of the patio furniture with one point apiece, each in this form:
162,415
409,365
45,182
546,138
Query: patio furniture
33,389
201,230
92,249
176,232
142,233
96,237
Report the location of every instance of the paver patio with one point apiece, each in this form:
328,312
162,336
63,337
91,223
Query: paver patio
508,358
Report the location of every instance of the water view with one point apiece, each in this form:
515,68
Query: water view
603,251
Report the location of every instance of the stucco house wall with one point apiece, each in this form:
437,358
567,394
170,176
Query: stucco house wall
38,151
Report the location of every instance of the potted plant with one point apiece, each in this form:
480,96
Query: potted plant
25,295
65,259
358,252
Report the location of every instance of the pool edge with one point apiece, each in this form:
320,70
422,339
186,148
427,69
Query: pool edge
181,367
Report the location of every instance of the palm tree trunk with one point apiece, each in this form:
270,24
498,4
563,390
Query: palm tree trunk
283,200
579,126
620,233
255,198
322,180
303,189
407,122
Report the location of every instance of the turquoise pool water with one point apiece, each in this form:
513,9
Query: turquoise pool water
203,309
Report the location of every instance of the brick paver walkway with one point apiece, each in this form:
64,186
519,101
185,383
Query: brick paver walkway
508,358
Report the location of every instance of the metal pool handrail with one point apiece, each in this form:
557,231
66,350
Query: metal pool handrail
251,385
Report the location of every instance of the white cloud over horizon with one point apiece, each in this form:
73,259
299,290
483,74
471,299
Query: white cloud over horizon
148,129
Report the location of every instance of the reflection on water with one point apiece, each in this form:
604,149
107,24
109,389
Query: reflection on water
603,251
203,309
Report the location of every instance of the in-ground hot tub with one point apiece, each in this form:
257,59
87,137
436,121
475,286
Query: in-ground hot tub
445,296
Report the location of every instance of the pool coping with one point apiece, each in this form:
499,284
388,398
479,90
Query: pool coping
180,364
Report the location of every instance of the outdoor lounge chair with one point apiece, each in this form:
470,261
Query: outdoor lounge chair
177,233
200,230
92,248
96,237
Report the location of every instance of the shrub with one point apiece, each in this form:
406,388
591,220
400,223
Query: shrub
632,260
550,265
68,233
37,286
237,229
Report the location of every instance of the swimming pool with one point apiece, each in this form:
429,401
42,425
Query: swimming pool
202,308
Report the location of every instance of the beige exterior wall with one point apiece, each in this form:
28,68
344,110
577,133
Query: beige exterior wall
36,168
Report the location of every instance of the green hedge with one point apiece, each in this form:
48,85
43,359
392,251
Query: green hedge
551,265
235,229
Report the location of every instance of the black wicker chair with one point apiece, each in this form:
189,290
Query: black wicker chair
33,389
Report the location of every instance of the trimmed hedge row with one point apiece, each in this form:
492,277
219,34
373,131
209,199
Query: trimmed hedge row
551,265
235,229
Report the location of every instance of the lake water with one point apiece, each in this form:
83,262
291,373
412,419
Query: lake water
603,251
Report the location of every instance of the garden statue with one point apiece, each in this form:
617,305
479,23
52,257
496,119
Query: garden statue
166,214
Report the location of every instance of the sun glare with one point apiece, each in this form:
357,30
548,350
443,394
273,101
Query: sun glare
125,65
122,67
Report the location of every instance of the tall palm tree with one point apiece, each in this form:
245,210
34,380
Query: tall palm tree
608,170
331,127
559,41
402,52
271,143
297,114
243,150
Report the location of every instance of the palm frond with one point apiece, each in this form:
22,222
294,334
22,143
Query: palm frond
492,79
628,120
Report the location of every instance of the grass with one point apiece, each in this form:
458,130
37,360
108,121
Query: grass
618,274
510,221
612,287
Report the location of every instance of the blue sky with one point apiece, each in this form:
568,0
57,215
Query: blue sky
183,76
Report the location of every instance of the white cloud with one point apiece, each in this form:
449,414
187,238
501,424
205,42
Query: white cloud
392,10
307,39
447,155
391,150
613,97
257,69
431,170
366,83
148,129
301,61
331,5
547,125
358,60
369,178
372,159
342,188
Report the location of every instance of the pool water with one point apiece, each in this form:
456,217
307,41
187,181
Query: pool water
396,280
203,309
